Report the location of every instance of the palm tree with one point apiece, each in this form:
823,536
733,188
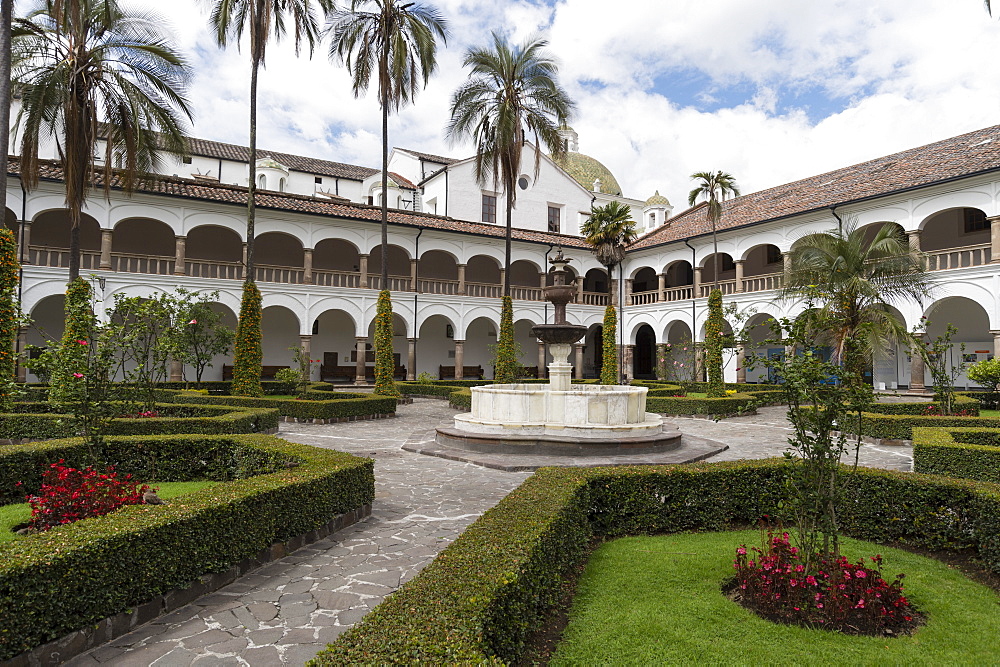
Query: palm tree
715,187
855,279
512,93
608,230
6,22
263,19
90,70
397,43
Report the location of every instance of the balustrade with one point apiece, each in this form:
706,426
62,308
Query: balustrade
396,283
957,258
131,263
59,257
525,293
484,290
725,286
213,269
642,298
763,283
679,293
336,278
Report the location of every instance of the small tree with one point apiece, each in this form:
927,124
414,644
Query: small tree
199,333
385,365
248,357
142,329
713,345
986,373
303,366
936,355
507,358
609,367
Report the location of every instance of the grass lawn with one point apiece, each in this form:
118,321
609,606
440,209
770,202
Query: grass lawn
12,515
657,600
995,414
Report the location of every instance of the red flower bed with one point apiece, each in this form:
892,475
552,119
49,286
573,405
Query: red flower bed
852,598
68,495
935,411
141,415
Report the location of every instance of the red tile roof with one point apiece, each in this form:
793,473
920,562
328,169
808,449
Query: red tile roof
961,156
217,149
278,201
429,157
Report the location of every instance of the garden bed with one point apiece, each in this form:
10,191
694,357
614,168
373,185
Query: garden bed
318,406
73,576
479,600
971,453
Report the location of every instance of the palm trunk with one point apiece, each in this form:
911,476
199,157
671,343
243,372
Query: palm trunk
252,189
385,192
5,23
509,196
611,290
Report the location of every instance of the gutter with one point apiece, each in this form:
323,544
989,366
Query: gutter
694,312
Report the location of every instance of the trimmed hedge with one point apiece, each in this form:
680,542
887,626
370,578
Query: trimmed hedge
319,404
970,453
480,599
730,405
40,423
900,427
67,578
961,402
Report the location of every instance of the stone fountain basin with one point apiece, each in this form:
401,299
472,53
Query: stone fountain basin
606,412
557,333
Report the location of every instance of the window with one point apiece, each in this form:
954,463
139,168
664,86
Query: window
319,180
281,185
554,219
262,182
186,160
652,220
975,220
490,209
523,182
773,255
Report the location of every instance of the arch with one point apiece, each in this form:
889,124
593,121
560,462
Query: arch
679,273
280,329
51,229
10,222
954,228
214,243
644,353
262,181
434,346
143,236
398,260
973,340
480,335
48,317
336,255
645,280
570,275
762,259
679,352
437,265
525,273
872,228
596,281
593,351
727,268
279,249
483,269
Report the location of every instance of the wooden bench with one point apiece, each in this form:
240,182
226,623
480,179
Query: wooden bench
468,372
350,373
266,372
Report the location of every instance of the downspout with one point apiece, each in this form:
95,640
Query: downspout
621,327
446,192
20,264
694,312
416,253
840,223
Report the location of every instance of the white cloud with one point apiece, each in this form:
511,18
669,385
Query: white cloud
898,74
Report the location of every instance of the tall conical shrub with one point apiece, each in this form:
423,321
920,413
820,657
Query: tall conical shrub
9,276
385,365
247,355
713,345
68,375
609,368
506,366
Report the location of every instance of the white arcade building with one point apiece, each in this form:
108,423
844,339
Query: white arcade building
318,251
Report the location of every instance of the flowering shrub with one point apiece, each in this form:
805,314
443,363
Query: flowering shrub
68,495
934,410
141,415
837,595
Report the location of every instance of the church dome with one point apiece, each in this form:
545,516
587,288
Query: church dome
657,200
585,170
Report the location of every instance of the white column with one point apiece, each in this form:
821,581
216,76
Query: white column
363,269
461,278
359,365
459,359
414,264
307,266
411,359
105,249
180,259
739,275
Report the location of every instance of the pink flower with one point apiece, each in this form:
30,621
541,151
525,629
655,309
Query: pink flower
82,342
193,322
860,574
78,375
741,551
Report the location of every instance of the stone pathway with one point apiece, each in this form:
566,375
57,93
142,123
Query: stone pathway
287,611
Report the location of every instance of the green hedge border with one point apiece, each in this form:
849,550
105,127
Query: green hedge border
28,425
736,404
901,427
62,580
970,453
317,405
961,402
480,599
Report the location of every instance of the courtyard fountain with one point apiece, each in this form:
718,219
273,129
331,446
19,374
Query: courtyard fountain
559,418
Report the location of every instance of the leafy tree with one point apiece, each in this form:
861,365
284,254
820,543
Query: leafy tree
986,373
396,42
713,345
247,355
90,70
9,317
507,354
609,348
385,366
854,280
198,334
715,187
142,330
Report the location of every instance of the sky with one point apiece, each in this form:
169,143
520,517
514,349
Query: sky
769,91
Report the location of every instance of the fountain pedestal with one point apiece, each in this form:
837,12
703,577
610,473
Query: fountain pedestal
560,370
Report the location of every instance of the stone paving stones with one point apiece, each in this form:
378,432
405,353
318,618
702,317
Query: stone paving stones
288,610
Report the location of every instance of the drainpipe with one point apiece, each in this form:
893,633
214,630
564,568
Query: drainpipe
446,192
20,270
840,223
621,320
694,313
416,292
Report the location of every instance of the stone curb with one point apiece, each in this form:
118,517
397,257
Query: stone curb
337,420
60,650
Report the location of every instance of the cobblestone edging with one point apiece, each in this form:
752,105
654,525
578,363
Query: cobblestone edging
60,650
337,420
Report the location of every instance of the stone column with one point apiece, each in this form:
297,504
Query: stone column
996,342
307,266
363,270
628,291
22,344
459,359
541,360
503,279
180,260
696,293
628,363
917,385
579,289
26,240
105,264
699,362
741,371
786,263
305,342
913,236
661,287
614,291
543,279
994,239
176,370
411,359
414,264
245,261
359,364
739,275
579,347
461,278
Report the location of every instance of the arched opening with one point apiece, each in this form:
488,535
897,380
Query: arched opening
680,279
437,273
143,245
214,369
48,319
398,266
644,354
570,276
595,282
334,340
482,277
528,349
399,348
436,345
262,182
279,329
726,273
480,338
762,268
645,286
525,281
214,252
279,258
973,325
336,263
593,355
872,229
955,238
759,330
50,233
